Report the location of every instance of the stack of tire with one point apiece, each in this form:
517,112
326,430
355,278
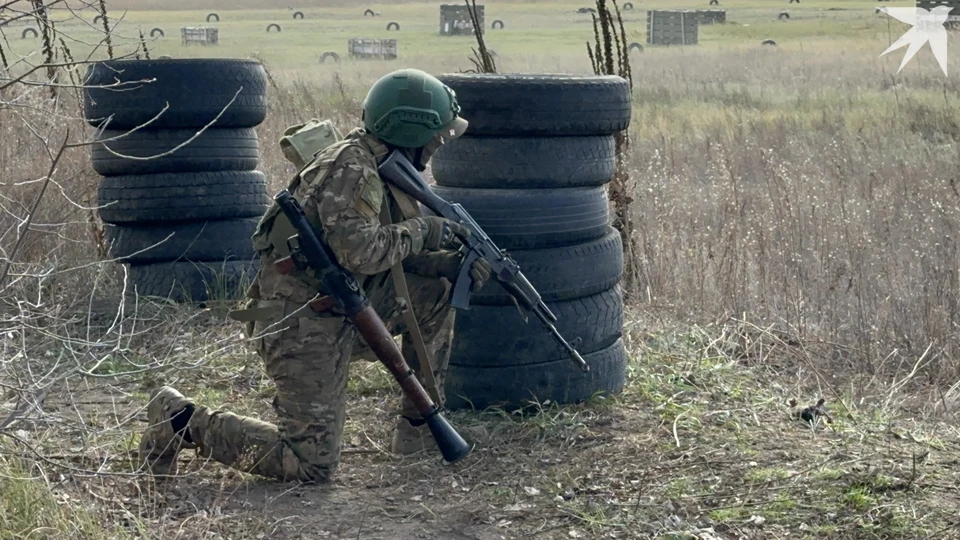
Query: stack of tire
177,151
531,170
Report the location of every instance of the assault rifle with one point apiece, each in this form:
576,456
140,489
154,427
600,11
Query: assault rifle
307,250
399,171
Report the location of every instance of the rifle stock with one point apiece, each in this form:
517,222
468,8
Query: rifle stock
307,250
401,173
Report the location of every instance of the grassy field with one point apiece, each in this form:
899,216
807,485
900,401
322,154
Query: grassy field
797,215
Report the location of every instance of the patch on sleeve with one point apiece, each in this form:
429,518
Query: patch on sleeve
371,198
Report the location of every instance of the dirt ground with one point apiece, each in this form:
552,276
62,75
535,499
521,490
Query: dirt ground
705,442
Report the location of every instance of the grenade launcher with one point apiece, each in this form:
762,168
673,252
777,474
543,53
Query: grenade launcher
401,173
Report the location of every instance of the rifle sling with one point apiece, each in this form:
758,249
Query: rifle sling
409,315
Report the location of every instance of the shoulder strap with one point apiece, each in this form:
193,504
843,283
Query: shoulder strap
410,317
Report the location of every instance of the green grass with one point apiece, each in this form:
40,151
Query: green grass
535,34
30,509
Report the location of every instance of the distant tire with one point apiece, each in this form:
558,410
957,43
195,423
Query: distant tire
33,33
628,6
792,1
596,319
525,162
495,24
560,381
163,198
769,42
193,281
216,149
369,13
563,273
714,2
213,16
98,19
219,240
783,16
535,218
297,14
330,54
635,46
545,105
393,26
155,31
273,25
194,92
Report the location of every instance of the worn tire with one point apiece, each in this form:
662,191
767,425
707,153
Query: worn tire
159,198
330,54
393,25
565,272
155,31
220,240
535,218
544,105
635,46
216,149
368,12
213,16
193,281
23,35
297,14
197,90
596,319
560,381
273,25
525,162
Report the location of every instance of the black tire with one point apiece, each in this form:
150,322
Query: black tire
161,198
98,19
783,16
525,162
560,381
222,240
155,31
564,272
597,320
545,105
636,46
213,16
330,54
714,2
495,23
273,25
297,14
393,25
535,218
769,42
194,90
224,149
369,12
26,31
193,281
628,6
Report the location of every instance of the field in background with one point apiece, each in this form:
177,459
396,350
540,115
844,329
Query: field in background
797,215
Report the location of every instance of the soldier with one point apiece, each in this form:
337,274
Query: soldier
374,230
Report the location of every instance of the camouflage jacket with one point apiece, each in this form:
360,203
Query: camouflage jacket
343,195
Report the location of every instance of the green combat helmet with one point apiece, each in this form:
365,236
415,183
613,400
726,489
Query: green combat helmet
408,107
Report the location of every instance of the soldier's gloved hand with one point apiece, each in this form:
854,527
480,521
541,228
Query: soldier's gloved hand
480,272
442,233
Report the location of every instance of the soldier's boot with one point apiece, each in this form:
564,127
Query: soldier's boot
409,439
168,415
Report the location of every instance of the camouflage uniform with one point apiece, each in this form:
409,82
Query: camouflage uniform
369,229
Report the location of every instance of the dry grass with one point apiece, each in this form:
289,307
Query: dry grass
796,220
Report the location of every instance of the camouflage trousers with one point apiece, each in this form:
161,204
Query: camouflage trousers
308,359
